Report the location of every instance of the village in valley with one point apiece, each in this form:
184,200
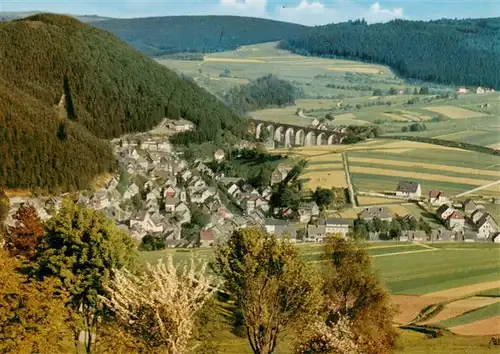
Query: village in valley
164,201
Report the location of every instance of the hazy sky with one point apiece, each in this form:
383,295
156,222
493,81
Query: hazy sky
309,12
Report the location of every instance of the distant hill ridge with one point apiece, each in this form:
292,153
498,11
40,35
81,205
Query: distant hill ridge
109,89
459,52
172,34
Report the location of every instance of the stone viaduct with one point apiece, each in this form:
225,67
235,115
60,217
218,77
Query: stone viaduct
293,135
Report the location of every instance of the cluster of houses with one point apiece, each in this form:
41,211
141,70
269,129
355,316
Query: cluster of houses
479,90
472,221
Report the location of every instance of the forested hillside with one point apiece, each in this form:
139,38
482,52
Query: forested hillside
164,35
264,92
64,85
460,52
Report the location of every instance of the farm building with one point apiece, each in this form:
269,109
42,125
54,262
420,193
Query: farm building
480,90
462,90
179,125
375,212
408,189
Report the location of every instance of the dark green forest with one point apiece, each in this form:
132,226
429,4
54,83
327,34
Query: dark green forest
266,91
459,52
156,36
109,89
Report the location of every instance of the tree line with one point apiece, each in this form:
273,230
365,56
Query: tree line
458,52
78,273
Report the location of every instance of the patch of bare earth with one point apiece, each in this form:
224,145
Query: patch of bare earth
410,306
459,307
464,290
486,327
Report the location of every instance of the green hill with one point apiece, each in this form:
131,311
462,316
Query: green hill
459,52
172,34
65,86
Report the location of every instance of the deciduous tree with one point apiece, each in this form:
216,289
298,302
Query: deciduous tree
323,197
33,318
352,290
23,239
272,285
82,247
159,305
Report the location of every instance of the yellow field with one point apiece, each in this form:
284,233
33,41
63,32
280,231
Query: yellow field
455,112
391,151
424,176
231,60
367,200
456,169
398,209
418,145
325,179
396,117
469,133
329,157
325,165
355,69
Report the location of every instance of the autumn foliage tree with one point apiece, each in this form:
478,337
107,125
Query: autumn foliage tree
352,291
272,285
22,240
33,318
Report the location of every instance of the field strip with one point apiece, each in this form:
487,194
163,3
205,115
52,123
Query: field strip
438,167
455,112
486,327
457,308
471,133
406,252
415,175
390,246
232,60
465,290
356,69
478,189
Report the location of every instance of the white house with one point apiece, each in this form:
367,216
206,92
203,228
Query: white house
171,203
308,210
408,189
486,226
444,211
337,226
456,221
